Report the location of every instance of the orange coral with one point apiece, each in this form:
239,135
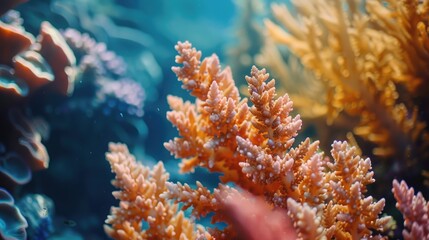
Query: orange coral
207,141
139,195
252,147
28,65
15,40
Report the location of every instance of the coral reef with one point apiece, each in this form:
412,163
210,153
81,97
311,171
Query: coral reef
53,89
259,161
29,66
252,146
117,25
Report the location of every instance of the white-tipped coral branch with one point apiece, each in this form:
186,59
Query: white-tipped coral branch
140,201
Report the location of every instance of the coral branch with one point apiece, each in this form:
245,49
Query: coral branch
140,201
415,210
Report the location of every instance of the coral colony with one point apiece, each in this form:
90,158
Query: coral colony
370,59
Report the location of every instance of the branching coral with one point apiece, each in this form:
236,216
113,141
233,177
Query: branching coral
373,64
307,92
415,210
264,161
140,201
300,83
252,146
406,22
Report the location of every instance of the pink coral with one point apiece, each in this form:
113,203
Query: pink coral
415,210
254,219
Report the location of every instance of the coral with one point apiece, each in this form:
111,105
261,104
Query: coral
252,146
22,149
140,201
261,222
28,66
117,25
254,47
415,210
38,210
24,69
13,170
105,73
64,85
12,223
306,91
406,22
371,58
300,83
355,214
43,80
144,195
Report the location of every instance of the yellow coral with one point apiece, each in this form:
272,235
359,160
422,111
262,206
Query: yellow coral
374,65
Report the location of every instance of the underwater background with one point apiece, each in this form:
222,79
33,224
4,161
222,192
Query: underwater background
116,58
